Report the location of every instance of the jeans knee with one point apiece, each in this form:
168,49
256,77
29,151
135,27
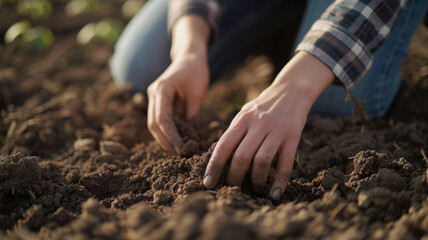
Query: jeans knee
125,74
117,72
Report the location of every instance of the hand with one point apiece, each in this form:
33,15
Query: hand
182,84
271,123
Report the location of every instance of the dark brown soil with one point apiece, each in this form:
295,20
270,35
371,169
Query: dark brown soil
79,163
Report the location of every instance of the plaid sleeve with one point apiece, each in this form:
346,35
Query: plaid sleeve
207,9
348,33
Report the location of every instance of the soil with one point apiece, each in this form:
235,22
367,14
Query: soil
79,163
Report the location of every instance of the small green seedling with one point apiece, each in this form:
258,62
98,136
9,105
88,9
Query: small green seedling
15,32
297,159
38,38
86,34
80,7
35,8
109,29
131,7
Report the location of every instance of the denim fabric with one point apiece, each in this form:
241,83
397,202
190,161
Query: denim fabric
380,85
142,52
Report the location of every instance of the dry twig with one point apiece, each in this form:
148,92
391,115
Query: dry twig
424,156
360,108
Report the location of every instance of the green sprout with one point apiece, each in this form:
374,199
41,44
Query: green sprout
24,36
15,32
35,8
38,38
109,29
81,7
87,33
131,7
297,159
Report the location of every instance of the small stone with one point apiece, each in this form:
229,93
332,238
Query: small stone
363,200
139,101
423,71
84,144
113,148
391,180
190,148
161,197
214,124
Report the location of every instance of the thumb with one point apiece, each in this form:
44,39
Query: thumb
193,104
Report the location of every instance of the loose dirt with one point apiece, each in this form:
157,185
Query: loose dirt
79,163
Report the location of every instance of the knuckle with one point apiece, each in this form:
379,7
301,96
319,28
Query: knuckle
160,119
288,157
258,183
262,162
245,108
264,117
151,126
163,120
223,143
242,115
258,179
198,95
241,158
152,89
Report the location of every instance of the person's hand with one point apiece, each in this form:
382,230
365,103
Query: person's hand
272,123
182,85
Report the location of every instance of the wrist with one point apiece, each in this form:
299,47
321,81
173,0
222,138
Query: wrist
190,37
305,77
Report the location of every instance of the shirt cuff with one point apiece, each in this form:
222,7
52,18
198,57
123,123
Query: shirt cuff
207,9
345,55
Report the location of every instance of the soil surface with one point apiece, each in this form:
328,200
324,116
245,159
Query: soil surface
79,163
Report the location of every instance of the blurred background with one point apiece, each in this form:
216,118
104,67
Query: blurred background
34,24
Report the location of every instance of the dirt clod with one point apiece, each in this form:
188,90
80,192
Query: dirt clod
190,147
112,148
161,197
391,180
84,144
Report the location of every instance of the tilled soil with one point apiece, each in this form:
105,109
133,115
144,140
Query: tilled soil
79,163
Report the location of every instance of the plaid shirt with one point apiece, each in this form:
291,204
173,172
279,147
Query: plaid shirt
344,38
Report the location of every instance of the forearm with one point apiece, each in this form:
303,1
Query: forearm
346,36
190,36
304,77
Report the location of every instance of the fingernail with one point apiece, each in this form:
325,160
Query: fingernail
208,180
276,194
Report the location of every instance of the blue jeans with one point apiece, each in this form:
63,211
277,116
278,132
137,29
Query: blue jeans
142,52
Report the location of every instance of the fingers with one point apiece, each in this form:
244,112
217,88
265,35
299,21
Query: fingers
179,107
163,117
285,165
193,104
263,161
154,129
243,157
223,149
